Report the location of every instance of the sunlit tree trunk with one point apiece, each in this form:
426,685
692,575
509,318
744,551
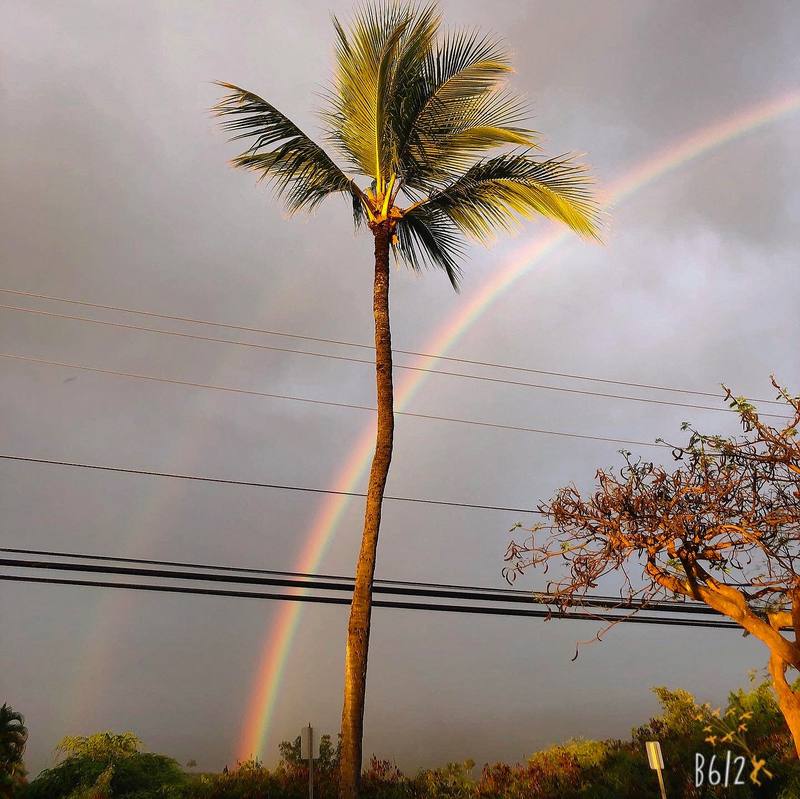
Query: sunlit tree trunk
731,602
355,666
788,700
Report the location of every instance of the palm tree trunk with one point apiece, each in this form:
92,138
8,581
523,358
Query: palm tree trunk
355,664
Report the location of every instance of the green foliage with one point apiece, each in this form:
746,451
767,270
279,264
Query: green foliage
576,769
102,746
585,752
682,735
13,737
450,782
251,780
328,755
417,112
106,765
383,780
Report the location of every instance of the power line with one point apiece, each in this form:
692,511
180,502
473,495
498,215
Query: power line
676,605
355,406
241,569
251,570
338,342
421,369
381,603
333,583
253,484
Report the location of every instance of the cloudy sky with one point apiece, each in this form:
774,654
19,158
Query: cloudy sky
116,191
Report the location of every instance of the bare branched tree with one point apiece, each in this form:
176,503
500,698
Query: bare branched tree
722,526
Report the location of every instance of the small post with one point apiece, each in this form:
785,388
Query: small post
656,761
309,750
310,761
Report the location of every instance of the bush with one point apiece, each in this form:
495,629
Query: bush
110,765
107,765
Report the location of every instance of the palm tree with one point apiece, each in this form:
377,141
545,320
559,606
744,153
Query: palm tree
414,113
13,737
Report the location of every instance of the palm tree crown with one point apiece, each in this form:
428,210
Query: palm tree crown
416,113
13,736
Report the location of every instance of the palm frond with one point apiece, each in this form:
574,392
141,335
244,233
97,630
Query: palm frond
496,192
417,113
366,66
302,173
415,48
427,237
13,735
470,130
459,110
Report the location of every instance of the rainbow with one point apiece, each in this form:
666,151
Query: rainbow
95,677
278,642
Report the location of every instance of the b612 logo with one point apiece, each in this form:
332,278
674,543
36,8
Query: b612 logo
727,769
719,770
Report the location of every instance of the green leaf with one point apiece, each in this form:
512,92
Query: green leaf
426,237
376,60
496,192
302,172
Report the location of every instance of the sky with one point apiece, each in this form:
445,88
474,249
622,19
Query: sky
116,190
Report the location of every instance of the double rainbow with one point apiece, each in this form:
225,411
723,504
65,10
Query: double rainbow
278,642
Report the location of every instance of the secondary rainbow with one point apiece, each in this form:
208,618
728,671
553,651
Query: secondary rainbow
278,642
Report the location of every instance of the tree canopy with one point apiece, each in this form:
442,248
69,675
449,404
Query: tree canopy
13,737
413,115
106,764
722,526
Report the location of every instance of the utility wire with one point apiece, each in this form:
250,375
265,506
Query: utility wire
312,575
338,342
673,604
382,603
253,484
425,370
238,569
346,584
249,392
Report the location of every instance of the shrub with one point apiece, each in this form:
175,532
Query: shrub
107,765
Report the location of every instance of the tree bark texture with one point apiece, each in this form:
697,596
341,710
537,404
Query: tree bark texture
788,700
355,668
